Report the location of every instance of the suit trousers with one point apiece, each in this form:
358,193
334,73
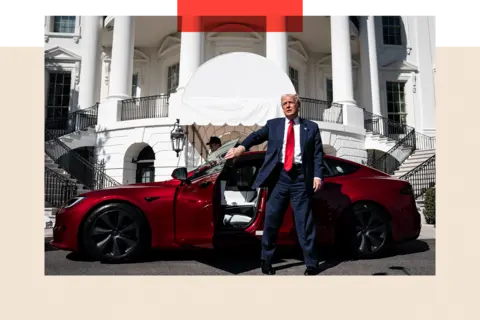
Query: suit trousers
290,187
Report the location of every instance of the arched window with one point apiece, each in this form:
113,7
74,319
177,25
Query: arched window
145,166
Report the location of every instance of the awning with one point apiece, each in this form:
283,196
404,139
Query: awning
237,88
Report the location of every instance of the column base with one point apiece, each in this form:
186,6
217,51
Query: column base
108,112
352,114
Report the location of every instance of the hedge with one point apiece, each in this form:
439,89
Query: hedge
429,211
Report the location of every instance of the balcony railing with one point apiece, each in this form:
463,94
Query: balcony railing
319,110
422,177
157,107
58,189
78,120
144,108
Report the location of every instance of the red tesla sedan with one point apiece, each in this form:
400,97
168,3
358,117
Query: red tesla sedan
364,210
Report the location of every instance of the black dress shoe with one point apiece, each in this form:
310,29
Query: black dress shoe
312,271
267,268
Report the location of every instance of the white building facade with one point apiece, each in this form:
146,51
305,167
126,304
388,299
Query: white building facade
358,77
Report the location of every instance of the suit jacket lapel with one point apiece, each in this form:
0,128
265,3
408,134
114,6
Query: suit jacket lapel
281,131
303,134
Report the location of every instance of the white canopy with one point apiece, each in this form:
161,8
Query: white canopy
237,88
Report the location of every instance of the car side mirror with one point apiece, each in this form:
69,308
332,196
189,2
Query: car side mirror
180,174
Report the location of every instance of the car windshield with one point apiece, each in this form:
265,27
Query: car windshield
208,168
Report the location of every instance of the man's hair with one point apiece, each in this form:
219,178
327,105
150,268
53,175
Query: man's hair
295,97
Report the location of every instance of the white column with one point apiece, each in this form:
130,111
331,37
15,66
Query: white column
89,74
364,83
191,53
372,57
277,42
122,58
341,60
342,71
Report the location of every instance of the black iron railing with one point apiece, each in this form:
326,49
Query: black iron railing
319,110
76,121
89,173
58,189
144,108
385,127
388,162
422,177
408,140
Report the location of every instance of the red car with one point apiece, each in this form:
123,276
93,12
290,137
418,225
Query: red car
362,209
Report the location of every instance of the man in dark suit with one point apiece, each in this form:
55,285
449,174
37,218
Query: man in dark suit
293,171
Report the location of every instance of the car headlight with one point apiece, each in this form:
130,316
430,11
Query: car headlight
70,203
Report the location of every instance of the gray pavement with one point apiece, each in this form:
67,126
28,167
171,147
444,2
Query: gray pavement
412,258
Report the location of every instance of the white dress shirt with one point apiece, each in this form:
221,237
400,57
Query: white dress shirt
297,155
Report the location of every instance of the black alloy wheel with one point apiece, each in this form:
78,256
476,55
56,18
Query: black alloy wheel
116,232
372,230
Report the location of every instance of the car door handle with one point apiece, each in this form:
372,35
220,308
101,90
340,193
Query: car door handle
205,184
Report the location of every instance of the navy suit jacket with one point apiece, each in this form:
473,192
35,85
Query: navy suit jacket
310,144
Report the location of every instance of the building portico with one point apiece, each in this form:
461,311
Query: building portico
353,74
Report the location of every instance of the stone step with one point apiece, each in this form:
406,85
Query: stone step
402,172
423,154
430,152
60,171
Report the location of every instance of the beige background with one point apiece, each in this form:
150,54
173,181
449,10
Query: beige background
28,294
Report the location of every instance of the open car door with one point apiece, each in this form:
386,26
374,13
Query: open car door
195,202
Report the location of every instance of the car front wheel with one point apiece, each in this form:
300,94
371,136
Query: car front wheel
115,233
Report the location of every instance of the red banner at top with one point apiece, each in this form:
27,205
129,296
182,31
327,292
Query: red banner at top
240,8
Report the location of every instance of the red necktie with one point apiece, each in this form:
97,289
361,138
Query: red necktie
289,148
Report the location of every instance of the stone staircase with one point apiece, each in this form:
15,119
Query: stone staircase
422,179
51,189
414,160
407,154
375,141
49,163
67,172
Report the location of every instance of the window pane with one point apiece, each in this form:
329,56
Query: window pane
134,84
329,90
391,27
64,24
293,75
396,101
173,76
58,94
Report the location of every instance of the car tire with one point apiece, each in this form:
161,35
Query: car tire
364,231
116,233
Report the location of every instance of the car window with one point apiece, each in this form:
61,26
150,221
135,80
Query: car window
208,168
338,168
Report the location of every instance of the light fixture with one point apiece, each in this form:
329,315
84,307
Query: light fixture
178,138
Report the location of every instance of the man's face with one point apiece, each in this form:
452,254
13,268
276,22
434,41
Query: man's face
290,108
214,147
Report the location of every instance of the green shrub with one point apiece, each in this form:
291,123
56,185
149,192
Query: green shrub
429,211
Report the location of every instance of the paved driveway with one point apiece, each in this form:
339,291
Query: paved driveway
413,258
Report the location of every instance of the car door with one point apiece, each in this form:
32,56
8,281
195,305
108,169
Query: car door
286,234
194,206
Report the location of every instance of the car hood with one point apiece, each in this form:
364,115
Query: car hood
120,189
